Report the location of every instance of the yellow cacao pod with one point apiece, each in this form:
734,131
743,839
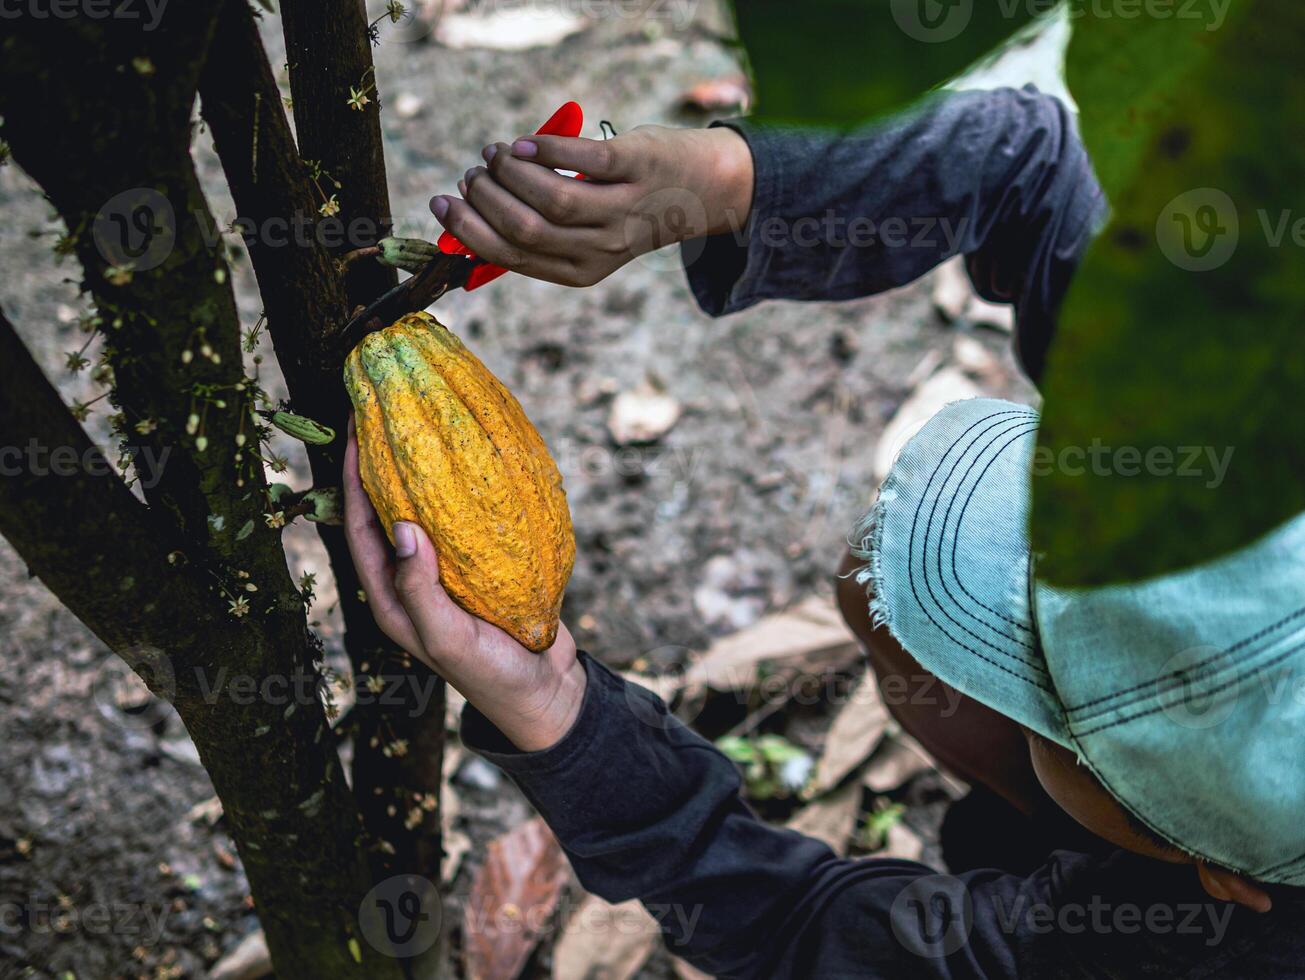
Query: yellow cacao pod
443,444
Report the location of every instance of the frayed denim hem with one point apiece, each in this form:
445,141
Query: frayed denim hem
866,544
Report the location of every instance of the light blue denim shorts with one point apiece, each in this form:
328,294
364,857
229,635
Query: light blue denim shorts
1183,694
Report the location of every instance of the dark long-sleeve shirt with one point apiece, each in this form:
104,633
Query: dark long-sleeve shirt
1000,177
647,809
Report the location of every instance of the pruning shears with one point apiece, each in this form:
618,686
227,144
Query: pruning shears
456,266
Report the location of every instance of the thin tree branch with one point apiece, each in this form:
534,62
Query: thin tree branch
337,102
70,516
303,294
278,213
100,141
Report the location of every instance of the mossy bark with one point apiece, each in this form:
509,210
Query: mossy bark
167,579
307,299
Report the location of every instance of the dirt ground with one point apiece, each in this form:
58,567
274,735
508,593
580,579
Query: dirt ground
741,509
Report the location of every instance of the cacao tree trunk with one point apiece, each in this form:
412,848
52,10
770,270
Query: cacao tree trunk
307,297
190,585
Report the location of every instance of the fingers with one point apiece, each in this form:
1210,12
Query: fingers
598,159
516,221
460,218
371,555
560,199
474,231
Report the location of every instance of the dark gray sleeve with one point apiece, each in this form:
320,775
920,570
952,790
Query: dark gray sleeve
999,176
647,809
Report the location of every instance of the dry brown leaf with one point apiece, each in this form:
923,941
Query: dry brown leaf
894,763
812,630
856,731
954,297
952,288
605,942
511,900
718,94
976,360
454,753
248,960
930,396
995,316
642,414
209,811
830,819
517,27
454,702
456,847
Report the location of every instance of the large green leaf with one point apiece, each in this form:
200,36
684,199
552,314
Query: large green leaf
841,62
1183,326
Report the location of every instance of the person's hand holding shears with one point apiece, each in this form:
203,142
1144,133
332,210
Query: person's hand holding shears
640,191
634,193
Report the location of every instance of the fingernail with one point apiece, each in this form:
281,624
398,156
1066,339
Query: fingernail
525,148
439,206
487,154
462,188
405,540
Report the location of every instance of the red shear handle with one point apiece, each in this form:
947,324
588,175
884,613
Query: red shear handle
567,121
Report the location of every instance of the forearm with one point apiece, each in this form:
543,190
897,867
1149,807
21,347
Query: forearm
998,176
646,809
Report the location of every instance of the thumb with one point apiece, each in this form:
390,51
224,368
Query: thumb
445,629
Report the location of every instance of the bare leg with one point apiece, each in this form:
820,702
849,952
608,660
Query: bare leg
970,739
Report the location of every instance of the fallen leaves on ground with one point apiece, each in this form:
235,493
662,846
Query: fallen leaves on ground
455,841
731,92
209,811
516,27
812,631
605,942
951,384
642,414
954,297
511,901
854,735
247,960
901,842
831,819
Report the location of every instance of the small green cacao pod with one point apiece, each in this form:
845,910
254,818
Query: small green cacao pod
302,428
327,506
408,254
